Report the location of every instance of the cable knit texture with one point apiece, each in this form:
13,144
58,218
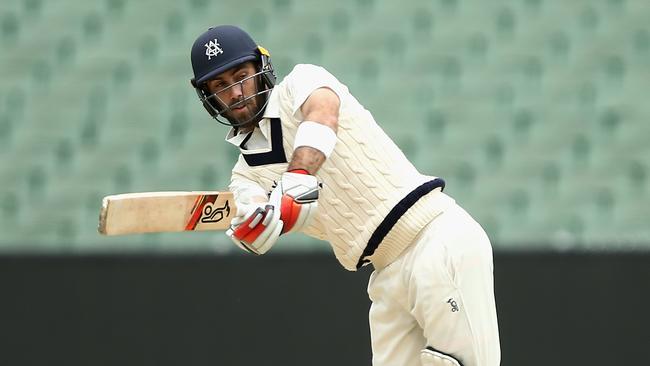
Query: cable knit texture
363,179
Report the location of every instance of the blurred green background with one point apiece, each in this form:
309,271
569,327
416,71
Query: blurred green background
532,110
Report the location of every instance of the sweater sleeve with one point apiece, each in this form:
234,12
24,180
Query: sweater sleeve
304,79
244,188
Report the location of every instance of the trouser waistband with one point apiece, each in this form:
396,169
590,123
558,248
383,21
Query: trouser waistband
394,215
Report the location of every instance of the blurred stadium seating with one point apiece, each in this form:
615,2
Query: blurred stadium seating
532,110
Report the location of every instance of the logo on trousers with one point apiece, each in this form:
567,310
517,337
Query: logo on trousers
454,305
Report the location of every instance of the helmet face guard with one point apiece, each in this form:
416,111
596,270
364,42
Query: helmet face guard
222,48
219,109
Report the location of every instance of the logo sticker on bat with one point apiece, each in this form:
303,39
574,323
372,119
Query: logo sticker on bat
204,211
212,214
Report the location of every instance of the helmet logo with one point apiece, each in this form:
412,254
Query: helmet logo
213,48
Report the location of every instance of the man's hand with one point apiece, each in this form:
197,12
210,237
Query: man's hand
299,199
259,228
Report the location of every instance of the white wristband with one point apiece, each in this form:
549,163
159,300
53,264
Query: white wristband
316,135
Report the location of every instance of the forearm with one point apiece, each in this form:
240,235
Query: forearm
307,158
316,135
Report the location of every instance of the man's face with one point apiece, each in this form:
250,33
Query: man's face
232,87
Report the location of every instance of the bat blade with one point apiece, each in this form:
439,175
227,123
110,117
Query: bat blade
156,212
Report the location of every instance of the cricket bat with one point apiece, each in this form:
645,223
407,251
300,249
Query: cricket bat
155,212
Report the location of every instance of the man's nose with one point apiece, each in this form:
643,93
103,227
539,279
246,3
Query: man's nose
236,92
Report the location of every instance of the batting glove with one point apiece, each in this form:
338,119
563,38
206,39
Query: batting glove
259,228
299,199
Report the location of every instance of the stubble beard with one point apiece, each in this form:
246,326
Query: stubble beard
251,108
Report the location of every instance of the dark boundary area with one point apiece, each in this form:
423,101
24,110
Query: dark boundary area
571,308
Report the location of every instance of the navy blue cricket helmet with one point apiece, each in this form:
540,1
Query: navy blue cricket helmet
221,48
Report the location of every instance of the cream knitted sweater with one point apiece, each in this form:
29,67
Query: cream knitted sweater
363,179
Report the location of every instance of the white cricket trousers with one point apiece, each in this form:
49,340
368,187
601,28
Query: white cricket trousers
439,294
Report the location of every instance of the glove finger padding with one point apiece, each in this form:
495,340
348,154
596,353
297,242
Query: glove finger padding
249,224
268,238
304,216
258,231
290,211
298,204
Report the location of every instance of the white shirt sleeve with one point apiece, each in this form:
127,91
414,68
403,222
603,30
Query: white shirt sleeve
304,79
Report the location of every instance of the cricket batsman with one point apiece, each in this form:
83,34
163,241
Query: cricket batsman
313,160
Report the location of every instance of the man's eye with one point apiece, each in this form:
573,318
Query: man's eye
242,75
